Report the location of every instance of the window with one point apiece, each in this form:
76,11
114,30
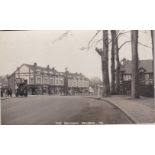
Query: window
61,81
31,80
45,80
129,77
147,77
51,81
141,76
38,71
38,80
151,76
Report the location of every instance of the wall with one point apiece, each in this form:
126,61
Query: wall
11,82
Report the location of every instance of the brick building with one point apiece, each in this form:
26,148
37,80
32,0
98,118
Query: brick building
42,80
4,82
145,77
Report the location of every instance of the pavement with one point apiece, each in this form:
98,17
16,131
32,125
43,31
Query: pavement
47,110
141,111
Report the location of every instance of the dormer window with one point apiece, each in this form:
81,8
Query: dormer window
141,70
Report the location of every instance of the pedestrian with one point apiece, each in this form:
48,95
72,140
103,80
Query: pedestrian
10,92
5,93
49,91
1,92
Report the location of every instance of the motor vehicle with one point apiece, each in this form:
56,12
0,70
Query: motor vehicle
22,90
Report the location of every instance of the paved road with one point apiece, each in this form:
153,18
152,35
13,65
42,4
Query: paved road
60,109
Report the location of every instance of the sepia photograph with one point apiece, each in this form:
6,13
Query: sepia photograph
77,77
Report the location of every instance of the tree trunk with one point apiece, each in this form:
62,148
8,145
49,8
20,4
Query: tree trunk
117,66
105,70
135,72
66,83
153,48
113,36
153,40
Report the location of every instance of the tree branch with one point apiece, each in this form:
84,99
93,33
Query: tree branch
65,34
122,34
143,45
99,51
93,38
97,41
90,41
130,41
126,42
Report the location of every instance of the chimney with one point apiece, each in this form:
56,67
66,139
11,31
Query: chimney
48,67
35,64
66,69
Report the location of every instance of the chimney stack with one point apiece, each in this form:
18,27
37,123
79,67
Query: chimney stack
48,67
35,64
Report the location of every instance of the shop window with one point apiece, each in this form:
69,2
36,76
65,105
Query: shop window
151,76
31,80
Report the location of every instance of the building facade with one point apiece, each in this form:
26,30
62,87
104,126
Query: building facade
146,79
4,82
46,80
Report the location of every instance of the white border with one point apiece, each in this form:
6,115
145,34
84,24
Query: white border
73,15
77,15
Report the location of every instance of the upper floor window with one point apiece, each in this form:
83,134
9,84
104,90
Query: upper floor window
51,81
61,81
38,71
38,80
151,76
147,77
31,80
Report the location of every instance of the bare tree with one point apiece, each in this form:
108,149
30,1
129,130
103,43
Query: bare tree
118,65
153,40
117,88
104,60
113,37
134,47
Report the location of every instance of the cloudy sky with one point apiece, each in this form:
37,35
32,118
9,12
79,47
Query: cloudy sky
43,47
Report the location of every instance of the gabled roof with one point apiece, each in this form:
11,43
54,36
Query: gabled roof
75,75
41,68
37,67
72,75
126,67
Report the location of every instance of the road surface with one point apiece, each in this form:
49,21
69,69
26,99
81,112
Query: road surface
46,110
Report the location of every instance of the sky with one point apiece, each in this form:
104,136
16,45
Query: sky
45,48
